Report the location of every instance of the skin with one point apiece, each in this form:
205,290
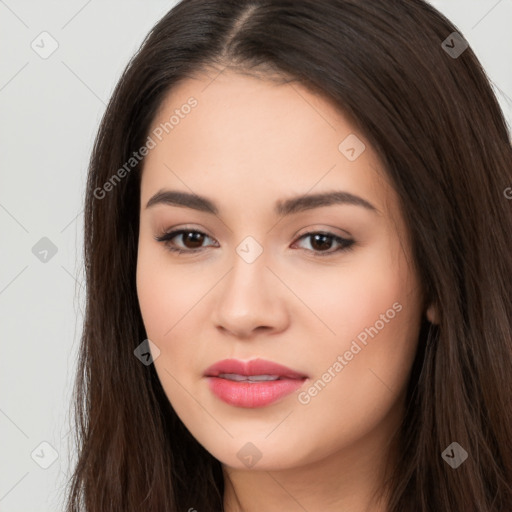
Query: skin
249,143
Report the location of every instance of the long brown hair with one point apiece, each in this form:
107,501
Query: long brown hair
434,121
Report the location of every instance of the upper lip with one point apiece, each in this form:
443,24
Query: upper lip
252,367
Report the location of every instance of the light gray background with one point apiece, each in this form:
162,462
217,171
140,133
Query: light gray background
50,111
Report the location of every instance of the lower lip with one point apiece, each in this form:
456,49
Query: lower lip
252,394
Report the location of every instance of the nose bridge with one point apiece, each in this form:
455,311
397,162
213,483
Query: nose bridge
248,276
247,298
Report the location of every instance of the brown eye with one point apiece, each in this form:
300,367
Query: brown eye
321,243
191,240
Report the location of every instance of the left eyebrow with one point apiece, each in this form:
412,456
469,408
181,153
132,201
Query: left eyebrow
282,208
308,202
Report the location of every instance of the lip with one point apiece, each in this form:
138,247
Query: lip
252,367
252,394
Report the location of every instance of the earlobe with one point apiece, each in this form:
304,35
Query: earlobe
432,314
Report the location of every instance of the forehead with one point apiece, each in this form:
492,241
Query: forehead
253,112
254,137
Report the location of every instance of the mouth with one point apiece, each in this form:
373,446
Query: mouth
251,384
248,378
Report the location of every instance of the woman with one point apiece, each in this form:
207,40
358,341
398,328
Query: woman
297,245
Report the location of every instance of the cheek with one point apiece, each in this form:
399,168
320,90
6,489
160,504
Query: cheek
174,301
167,300
374,309
155,297
377,327
357,383
352,297
165,295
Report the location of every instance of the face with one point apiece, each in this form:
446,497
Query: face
323,287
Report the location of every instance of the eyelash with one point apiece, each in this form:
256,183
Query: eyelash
346,244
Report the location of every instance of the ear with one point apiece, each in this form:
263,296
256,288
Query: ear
432,314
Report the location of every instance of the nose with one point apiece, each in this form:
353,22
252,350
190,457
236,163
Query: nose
250,299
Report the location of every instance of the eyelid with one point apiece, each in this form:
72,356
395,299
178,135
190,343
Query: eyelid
171,233
346,243
314,228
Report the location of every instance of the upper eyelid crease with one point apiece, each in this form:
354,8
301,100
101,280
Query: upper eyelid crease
282,208
345,243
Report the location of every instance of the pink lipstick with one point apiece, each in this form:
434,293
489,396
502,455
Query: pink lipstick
253,383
